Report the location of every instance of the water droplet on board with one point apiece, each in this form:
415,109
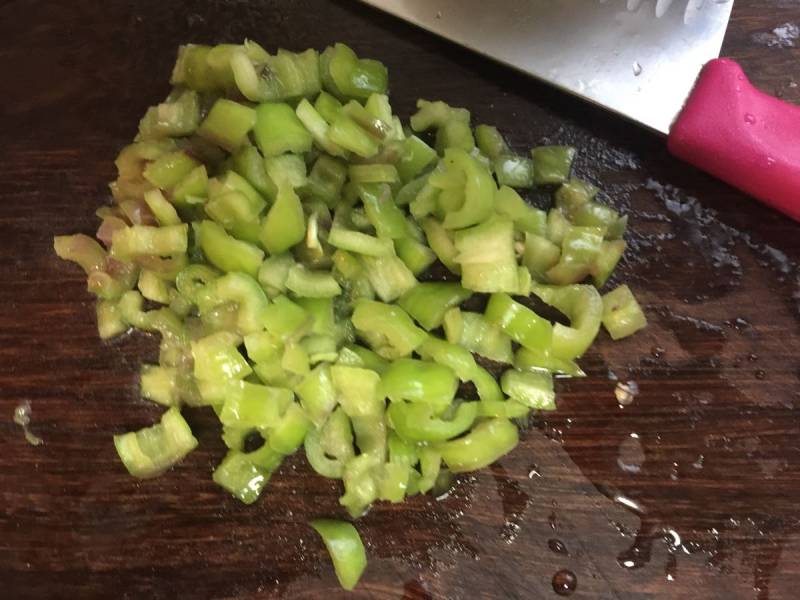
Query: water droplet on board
626,392
631,454
749,118
761,374
564,582
557,546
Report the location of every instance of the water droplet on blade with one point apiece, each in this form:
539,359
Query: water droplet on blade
637,68
564,582
557,546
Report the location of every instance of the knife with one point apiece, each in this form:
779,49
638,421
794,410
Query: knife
661,71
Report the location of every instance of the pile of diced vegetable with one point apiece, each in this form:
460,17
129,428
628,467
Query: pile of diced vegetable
305,256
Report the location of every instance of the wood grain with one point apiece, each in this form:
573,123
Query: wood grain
717,419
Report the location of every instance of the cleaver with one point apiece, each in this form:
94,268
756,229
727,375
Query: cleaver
653,61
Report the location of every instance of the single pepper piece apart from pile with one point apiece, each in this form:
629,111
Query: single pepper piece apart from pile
279,226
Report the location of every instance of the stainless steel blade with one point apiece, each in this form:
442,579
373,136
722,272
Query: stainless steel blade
629,61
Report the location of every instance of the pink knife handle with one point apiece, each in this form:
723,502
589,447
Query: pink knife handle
742,136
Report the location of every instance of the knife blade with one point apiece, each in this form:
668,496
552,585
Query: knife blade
629,61
652,61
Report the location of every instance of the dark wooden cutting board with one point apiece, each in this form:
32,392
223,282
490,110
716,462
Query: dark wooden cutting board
690,492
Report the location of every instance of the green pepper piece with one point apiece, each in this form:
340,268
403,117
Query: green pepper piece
415,157
583,306
526,359
352,77
420,381
216,357
572,195
580,249
191,68
487,258
358,242
606,261
490,141
317,394
441,242
552,164
168,169
417,422
143,240
347,134
152,450
177,117
622,315
318,127
284,226
274,271
526,217
540,255
461,361
290,431
388,275
390,327
454,134
357,391
473,332
414,254
428,302
249,163
311,284
153,287
278,130
287,169
345,548
252,405
109,320
261,346
515,171
384,215
285,320
226,252
479,190
436,114
243,479
82,250
504,409
488,441
228,124
246,293
326,179
534,389
162,210
557,226
193,185
357,356
335,440
522,324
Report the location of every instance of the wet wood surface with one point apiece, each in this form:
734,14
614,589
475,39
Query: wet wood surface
690,492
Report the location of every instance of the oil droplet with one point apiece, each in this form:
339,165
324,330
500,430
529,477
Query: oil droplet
749,118
564,582
752,357
761,374
637,68
557,546
657,351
